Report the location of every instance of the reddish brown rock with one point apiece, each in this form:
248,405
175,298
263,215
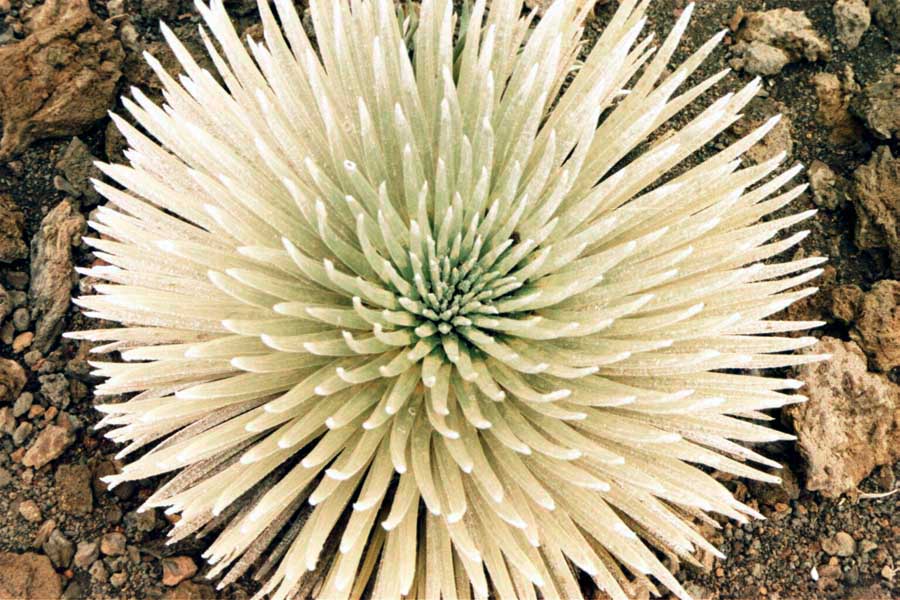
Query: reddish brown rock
28,576
877,203
51,442
851,422
61,78
12,224
113,544
816,306
176,569
877,328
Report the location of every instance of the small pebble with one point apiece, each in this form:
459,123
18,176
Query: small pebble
21,319
112,544
840,544
118,580
30,511
176,569
22,341
867,546
86,554
44,531
22,432
59,549
98,572
23,404
32,357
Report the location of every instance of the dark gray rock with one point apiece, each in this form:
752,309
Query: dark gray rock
77,167
21,318
23,404
5,304
879,105
59,549
20,435
160,9
55,389
887,16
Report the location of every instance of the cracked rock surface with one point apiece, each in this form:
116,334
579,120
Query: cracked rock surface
61,78
851,422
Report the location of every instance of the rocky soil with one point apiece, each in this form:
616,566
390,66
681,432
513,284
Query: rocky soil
831,67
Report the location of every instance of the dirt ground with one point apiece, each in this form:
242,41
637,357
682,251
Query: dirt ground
58,522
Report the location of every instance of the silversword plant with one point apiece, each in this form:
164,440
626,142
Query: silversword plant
426,307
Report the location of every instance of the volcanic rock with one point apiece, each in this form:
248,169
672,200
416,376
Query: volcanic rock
851,19
877,203
188,590
112,544
77,166
51,442
5,304
86,554
877,328
879,105
769,40
59,549
52,271
845,302
851,422
61,78
176,569
28,576
840,544
827,187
